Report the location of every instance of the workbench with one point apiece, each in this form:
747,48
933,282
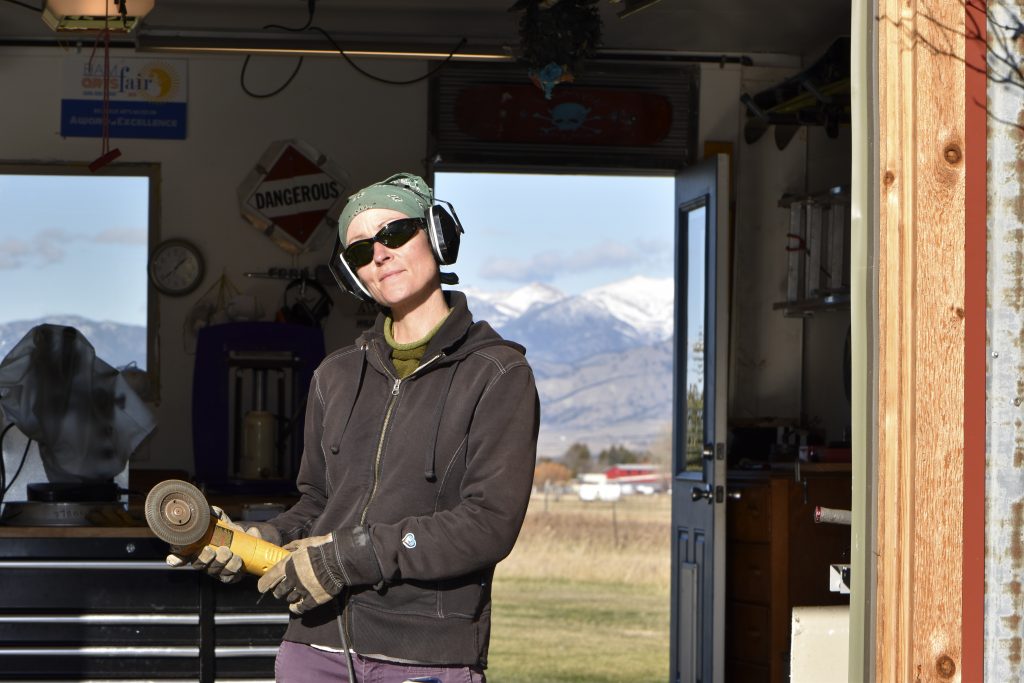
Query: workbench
83,603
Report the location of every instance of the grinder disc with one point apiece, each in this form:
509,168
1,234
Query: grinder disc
177,512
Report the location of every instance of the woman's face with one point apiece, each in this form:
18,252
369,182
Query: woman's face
397,278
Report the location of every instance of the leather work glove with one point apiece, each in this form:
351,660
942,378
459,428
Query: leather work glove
309,577
219,563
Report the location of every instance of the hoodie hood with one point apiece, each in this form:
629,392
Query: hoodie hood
457,338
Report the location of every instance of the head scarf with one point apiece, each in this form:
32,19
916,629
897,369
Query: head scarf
403,192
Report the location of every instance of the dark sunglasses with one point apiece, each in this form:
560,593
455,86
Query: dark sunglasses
392,235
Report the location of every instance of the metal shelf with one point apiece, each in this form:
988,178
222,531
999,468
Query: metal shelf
806,308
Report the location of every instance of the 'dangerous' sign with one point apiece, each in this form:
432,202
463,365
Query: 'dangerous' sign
290,194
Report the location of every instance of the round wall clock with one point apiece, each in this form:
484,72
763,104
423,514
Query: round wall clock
176,267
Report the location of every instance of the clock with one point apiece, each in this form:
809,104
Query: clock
176,267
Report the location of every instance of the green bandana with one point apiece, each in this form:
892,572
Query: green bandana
404,192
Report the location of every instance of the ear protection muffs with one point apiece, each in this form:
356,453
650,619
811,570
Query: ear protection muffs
444,230
344,275
305,303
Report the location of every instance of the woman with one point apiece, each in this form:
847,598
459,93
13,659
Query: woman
420,444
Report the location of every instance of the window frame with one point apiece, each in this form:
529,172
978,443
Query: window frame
134,169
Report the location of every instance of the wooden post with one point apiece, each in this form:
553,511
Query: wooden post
920,408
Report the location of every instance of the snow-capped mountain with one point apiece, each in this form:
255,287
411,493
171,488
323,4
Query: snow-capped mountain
645,303
504,306
557,328
602,358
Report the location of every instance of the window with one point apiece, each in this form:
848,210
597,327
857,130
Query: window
579,269
73,251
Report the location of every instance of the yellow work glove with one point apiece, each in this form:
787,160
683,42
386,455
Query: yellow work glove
219,563
309,577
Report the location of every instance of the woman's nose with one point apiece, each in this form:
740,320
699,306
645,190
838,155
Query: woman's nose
380,253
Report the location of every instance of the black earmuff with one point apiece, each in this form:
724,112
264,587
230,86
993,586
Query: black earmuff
344,276
445,231
305,303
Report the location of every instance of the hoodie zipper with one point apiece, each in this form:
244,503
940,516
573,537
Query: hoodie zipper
383,433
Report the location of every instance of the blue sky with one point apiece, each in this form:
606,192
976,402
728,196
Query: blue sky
73,244
571,232
78,243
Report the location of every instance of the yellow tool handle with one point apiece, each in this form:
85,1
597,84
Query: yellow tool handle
257,555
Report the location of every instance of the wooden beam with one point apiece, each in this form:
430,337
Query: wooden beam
920,448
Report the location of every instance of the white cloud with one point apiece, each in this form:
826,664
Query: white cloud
129,236
559,261
14,253
45,247
50,246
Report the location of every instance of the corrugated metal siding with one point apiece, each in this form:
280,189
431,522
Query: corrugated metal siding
1004,526
678,83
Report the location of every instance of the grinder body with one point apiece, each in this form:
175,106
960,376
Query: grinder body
177,512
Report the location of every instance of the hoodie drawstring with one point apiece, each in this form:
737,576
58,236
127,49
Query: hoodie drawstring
359,386
431,458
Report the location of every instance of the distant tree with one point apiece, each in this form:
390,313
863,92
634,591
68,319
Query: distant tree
661,449
617,455
577,458
550,473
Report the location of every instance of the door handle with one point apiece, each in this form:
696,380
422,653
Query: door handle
707,492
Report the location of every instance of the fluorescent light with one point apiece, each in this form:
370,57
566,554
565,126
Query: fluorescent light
211,42
634,6
459,56
72,16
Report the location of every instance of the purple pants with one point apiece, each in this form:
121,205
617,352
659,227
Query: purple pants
298,663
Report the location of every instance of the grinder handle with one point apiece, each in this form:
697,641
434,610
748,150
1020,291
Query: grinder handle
257,555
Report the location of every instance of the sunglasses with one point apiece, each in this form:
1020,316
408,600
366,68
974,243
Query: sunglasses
392,235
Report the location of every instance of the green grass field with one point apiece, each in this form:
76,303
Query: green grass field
584,597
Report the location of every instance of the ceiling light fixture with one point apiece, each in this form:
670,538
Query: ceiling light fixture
76,16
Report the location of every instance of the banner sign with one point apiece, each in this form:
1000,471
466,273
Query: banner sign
147,98
575,116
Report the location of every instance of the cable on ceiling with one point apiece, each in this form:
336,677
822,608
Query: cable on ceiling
308,26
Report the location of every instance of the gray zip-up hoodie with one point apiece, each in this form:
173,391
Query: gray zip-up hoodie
425,481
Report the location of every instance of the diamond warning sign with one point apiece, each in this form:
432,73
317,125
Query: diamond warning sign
290,193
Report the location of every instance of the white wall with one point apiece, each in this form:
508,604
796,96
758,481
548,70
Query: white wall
782,369
370,129
373,130
766,346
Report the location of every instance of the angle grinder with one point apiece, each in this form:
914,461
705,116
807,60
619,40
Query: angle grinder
177,512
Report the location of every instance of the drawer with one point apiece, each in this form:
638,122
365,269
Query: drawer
745,672
749,518
748,632
748,572
134,663
125,587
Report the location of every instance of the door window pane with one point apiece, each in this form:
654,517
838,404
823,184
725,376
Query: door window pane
696,257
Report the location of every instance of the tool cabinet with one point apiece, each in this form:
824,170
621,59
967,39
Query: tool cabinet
100,603
777,558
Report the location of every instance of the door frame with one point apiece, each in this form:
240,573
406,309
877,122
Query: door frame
919,295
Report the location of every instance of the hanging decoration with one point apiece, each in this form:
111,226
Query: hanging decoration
556,37
106,154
